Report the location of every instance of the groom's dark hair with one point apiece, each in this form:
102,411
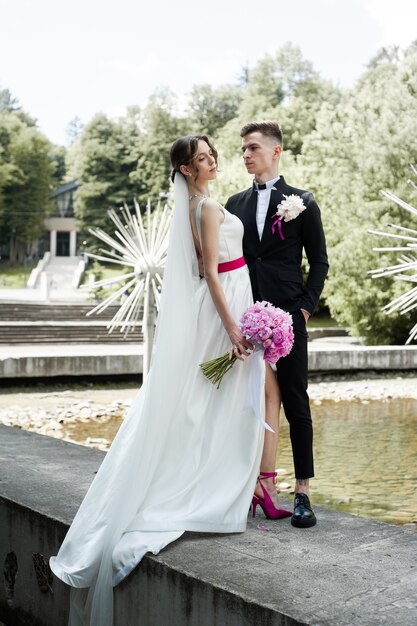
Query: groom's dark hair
267,128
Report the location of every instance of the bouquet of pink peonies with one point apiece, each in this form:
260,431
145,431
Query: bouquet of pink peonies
266,326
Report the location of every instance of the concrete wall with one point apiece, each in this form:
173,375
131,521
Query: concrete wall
154,595
97,360
51,365
346,571
336,358
43,483
25,601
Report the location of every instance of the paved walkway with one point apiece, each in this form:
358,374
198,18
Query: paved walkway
37,295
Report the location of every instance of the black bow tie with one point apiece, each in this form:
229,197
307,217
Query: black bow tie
258,186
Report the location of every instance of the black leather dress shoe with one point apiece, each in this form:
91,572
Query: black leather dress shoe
303,516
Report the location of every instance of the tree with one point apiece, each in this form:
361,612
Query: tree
284,75
8,102
361,145
25,183
160,127
11,104
58,156
74,129
117,160
210,109
283,87
104,160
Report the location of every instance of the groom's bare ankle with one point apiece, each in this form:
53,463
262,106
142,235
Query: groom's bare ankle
302,485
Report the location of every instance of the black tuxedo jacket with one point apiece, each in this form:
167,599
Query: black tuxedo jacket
275,264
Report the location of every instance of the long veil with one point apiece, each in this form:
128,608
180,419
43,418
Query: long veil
84,560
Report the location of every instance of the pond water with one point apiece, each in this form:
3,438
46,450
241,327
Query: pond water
365,455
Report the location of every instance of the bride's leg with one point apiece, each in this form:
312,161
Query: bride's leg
269,454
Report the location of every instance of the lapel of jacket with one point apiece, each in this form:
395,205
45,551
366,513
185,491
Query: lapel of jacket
248,217
275,199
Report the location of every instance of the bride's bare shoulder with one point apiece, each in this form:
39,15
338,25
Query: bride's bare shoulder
212,207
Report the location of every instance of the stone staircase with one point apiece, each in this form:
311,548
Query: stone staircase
60,271
59,323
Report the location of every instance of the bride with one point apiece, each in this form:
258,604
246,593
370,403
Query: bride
187,455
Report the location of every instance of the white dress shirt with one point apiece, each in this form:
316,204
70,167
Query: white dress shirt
264,196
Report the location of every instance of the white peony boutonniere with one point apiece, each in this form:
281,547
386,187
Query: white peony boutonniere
288,210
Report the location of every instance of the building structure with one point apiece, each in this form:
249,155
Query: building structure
61,234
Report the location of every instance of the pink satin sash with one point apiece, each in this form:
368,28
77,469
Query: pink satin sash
228,266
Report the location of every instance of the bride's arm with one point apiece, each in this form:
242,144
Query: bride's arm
211,218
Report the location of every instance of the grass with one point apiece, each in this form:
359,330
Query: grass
15,276
322,321
105,271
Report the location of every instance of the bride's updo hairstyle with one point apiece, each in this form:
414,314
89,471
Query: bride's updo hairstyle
184,150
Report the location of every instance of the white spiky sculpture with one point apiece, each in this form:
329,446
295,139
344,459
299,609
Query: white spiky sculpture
406,267
140,243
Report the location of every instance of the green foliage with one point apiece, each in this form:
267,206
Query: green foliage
11,104
363,144
74,129
58,156
26,173
356,300
210,109
104,159
15,276
118,160
102,271
232,177
282,87
284,75
161,126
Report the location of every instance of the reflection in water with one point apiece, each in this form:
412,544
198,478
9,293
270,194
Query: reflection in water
365,455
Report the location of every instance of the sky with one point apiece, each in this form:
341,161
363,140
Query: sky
65,59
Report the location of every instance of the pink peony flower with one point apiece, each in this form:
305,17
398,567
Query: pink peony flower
263,324
270,327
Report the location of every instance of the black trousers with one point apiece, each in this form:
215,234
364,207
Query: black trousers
292,375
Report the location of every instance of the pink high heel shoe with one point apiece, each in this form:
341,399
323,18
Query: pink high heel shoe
266,503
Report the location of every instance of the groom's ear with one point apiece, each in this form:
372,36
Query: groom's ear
277,151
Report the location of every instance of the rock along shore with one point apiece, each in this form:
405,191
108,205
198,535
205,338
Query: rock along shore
54,409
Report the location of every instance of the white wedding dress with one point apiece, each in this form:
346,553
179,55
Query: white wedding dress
187,455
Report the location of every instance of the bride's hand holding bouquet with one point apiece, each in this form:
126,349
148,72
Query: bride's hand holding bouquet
241,347
268,327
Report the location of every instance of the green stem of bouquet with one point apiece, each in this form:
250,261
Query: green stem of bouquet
217,368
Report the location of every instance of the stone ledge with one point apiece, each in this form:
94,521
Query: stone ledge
48,361
352,571
331,354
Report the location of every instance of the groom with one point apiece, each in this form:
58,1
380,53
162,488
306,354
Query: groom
273,246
